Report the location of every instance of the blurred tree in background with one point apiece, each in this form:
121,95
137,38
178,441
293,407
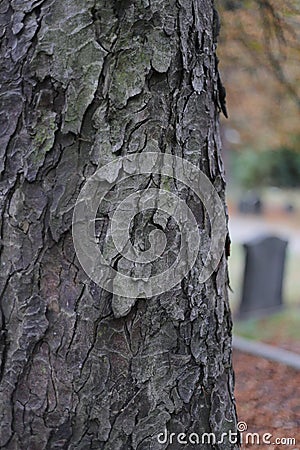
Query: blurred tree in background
260,65
279,168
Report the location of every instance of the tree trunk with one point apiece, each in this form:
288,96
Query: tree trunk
82,367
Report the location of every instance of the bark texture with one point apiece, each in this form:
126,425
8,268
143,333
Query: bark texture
82,83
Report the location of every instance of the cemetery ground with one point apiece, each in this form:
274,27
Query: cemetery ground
267,392
267,395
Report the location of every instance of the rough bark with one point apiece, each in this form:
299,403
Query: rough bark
83,83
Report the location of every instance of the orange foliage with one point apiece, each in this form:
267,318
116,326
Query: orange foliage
259,55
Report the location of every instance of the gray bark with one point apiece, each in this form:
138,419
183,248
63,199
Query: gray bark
83,83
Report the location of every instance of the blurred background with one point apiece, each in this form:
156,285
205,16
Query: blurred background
259,51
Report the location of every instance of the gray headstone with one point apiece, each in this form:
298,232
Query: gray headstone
263,276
